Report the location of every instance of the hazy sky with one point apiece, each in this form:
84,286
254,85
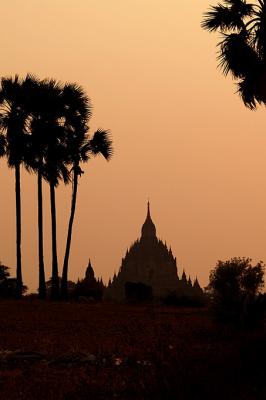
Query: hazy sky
181,135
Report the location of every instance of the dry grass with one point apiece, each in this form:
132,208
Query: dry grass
83,351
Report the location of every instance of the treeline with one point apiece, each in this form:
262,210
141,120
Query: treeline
44,128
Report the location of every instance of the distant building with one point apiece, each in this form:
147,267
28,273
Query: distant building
149,269
90,287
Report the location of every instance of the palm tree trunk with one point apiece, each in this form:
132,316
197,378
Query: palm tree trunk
42,287
19,283
69,234
55,280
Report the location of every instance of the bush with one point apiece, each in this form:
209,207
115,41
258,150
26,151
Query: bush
234,290
4,273
7,284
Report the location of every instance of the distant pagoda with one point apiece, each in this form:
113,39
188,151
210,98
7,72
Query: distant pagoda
151,263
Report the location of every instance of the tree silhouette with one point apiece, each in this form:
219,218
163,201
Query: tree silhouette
234,289
4,273
54,161
43,125
77,113
13,124
34,159
99,144
242,50
81,148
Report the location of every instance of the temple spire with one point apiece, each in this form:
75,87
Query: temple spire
89,271
148,212
148,228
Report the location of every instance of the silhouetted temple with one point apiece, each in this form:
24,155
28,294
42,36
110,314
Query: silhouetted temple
90,286
150,263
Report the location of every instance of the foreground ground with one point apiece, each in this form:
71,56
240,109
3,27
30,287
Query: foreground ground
85,351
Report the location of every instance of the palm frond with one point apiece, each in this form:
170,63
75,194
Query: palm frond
261,3
242,51
77,170
259,32
241,7
101,143
221,18
246,90
77,103
2,145
237,55
65,174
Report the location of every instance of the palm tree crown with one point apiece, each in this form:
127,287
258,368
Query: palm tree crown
14,117
242,50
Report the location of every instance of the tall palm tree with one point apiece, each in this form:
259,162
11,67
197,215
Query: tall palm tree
54,161
80,149
34,159
242,49
77,114
13,124
99,144
43,154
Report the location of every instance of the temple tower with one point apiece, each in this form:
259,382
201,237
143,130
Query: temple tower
148,262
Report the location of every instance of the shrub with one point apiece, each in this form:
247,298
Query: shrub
234,291
7,284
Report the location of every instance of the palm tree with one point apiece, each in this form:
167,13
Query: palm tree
81,148
99,144
42,153
34,159
242,50
77,113
13,124
54,160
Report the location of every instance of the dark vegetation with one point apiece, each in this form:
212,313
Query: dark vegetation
185,301
78,351
242,47
234,292
7,284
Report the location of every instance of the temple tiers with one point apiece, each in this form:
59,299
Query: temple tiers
149,262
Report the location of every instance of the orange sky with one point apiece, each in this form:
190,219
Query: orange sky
181,135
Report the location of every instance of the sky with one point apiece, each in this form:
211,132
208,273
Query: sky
181,136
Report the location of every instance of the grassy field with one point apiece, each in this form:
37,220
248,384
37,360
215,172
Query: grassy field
102,351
